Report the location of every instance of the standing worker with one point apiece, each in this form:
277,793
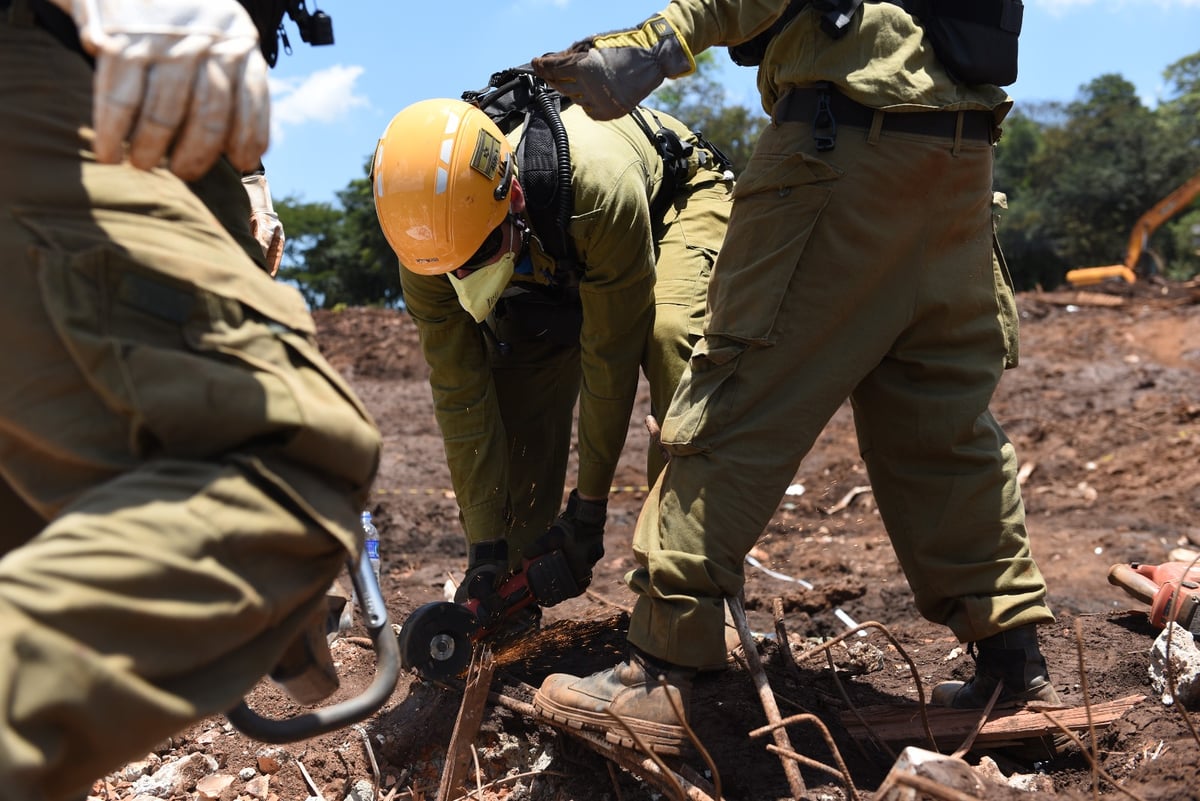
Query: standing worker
182,470
539,275
859,264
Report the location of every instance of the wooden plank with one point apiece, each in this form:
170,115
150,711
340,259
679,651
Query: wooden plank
1079,298
903,723
466,726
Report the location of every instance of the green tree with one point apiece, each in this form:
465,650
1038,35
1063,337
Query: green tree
339,255
1182,108
1025,231
309,228
1096,173
369,269
1180,114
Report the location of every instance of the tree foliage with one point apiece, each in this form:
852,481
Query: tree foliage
1078,176
339,256
1079,181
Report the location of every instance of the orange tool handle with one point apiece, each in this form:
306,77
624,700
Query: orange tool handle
1136,584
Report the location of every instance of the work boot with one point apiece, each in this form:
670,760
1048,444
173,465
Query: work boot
632,691
1014,660
1011,658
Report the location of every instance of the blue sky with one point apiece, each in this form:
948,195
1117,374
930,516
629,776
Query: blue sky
329,104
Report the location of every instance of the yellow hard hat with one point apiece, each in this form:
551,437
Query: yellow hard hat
440,177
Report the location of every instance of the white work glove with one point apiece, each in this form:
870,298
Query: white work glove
264,222
610,73
180,75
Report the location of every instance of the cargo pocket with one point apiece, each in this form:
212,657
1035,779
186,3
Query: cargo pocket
705,397
776,208
777,204
198,375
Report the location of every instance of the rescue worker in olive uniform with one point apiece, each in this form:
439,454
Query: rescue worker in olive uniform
182,471
859,264
514,337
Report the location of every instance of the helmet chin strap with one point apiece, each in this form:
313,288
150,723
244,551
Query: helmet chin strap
523,232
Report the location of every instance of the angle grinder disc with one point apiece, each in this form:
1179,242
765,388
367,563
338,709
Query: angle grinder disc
435,640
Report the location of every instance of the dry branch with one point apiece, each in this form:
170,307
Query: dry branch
738,611
847,499
466,726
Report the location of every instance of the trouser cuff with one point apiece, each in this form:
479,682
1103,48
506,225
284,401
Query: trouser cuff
689,632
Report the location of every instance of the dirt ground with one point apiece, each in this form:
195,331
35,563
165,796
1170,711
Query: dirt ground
1104,411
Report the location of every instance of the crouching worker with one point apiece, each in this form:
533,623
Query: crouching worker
543,267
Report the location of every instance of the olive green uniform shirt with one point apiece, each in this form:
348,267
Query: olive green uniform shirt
884,61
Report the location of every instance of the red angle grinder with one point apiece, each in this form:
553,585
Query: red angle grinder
1172,589
438,638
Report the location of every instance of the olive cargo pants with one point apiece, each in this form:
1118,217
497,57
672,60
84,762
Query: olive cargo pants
182,471
870,273
539,421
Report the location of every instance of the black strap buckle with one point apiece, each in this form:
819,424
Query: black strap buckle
824,124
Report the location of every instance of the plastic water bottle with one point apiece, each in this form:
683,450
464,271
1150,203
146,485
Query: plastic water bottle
371,543
371,546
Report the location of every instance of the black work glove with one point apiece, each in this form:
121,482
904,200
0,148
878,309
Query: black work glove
487,567
579,533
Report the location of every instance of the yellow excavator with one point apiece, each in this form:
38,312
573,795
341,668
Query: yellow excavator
1139,240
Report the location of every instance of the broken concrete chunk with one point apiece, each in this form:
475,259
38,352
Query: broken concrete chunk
918,771
177,777
1183,667
210,788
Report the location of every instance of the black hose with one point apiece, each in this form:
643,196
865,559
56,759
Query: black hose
553,119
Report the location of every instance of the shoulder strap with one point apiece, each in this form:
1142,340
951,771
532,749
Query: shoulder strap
517,96
674,153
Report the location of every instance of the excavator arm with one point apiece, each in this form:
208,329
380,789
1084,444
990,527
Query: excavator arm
1139,238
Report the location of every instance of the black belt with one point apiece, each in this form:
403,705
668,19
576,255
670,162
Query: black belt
805,104
53,19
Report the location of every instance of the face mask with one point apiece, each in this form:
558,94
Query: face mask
480,290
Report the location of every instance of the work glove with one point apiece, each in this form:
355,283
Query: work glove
579,534
264,222
487,568
179,75
609,74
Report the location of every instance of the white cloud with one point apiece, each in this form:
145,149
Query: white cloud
323,96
